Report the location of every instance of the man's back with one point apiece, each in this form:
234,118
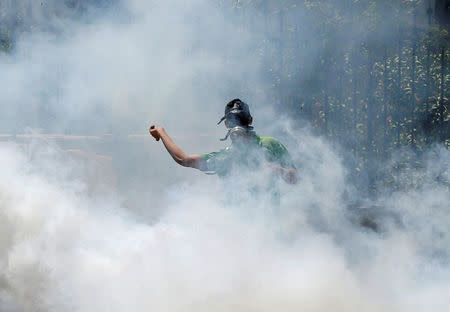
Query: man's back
251,156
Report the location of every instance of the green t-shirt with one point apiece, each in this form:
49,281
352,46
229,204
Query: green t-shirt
251,156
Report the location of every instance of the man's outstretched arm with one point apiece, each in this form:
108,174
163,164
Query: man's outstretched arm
193,161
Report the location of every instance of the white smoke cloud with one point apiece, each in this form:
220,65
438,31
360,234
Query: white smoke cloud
63,249
187,246
68,251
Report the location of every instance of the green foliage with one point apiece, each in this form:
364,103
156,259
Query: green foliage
6,44
380,75
436,38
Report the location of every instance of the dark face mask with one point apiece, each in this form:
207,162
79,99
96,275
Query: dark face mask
237,119
236,114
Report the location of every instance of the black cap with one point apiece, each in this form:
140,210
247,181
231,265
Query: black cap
237,113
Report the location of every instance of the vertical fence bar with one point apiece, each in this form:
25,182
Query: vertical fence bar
353,113
413,77
399,86
428,76
442,87
385,102
266,38
340,112
326,104
280,56
428,71
371,117
354,85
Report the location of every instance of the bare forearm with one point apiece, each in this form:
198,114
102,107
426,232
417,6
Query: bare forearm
177,153
174,150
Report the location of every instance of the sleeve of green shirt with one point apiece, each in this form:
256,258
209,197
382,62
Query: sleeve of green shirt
277,152
210,161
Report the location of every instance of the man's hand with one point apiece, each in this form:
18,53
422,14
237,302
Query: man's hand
155,132
288,175
194,161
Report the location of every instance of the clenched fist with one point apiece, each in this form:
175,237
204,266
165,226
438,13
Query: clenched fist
155,132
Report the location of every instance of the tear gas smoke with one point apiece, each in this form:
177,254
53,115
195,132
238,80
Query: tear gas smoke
184,244
63,249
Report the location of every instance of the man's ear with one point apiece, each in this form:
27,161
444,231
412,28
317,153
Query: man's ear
250,120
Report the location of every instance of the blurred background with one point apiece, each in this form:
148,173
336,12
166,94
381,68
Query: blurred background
95,215
370,76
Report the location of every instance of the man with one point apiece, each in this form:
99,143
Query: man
248,150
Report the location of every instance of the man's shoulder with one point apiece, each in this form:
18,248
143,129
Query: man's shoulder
276,151
267,140
271,143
